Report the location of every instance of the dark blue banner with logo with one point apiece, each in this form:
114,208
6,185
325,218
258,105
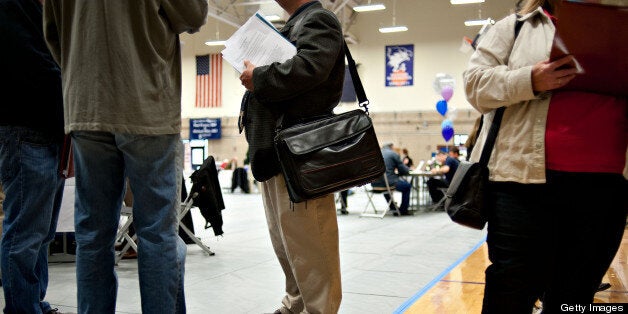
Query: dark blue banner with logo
399,65
205,129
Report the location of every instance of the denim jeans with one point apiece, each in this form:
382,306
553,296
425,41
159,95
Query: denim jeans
102,161
404,187
29,161
552,241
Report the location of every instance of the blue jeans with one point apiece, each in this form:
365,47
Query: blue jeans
552,241
404,187
102,161
29,161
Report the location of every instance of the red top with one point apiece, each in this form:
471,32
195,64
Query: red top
586,132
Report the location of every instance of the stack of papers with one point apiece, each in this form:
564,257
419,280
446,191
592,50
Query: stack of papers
259,42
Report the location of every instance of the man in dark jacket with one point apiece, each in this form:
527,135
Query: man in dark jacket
31,136
304,235
395,168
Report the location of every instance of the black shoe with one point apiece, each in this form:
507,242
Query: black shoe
603,286
344,211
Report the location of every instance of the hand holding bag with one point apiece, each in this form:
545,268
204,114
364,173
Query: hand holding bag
330,154
465,198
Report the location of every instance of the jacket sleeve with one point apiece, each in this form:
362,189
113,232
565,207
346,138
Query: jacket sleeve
489,81
185,16
319,42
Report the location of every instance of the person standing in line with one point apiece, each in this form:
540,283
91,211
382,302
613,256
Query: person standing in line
121,68
304,235
31,138
556,214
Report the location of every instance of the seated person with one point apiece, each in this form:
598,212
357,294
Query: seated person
454,152
448,168
406,158
393,163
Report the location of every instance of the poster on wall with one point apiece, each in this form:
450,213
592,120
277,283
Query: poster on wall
205,129
399,65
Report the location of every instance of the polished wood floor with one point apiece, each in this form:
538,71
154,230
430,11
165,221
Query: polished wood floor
460,291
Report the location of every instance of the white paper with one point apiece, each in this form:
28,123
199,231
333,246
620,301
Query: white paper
259,42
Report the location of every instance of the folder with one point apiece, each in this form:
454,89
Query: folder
596,34
66,162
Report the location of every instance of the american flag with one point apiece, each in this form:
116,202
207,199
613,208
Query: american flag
209,81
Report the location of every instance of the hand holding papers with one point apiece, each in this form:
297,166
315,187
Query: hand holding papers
259,42
597,36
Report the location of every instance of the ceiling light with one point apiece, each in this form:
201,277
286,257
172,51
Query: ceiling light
369,7
215,43
479,22
392,29
465,1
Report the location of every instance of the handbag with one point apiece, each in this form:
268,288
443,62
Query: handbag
330,154
464,200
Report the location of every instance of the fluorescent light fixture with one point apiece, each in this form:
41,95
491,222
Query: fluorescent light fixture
272,18
479,22
369,7
465,1
215,42
392,29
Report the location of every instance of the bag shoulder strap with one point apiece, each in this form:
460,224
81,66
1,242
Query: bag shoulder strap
357,83
497,119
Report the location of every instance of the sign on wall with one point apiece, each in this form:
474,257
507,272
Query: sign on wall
205,129
399,65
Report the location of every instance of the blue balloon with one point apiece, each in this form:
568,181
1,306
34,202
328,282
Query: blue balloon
448,133
446,123
441,107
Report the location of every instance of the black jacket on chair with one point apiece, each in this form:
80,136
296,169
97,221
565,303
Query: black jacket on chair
209,199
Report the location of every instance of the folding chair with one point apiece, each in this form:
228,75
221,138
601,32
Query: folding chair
206,195
123,234
185,207
384,190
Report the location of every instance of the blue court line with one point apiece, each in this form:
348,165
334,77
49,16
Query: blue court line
440,276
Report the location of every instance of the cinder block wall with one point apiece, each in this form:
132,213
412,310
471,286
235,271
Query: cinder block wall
418,131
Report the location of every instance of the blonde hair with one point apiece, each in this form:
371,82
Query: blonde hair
531,5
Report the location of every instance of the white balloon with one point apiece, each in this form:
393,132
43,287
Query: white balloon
442,80
452,113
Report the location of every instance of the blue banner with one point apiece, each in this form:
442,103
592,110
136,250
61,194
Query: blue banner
205,129
399,65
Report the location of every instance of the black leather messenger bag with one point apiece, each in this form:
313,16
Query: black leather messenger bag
333,153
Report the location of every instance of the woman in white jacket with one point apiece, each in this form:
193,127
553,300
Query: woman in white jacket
556,210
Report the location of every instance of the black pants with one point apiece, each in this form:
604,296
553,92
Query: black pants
552,241
343,199
434,186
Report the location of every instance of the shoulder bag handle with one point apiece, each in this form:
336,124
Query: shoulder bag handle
357,83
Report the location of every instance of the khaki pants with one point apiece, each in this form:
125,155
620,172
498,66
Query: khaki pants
305,239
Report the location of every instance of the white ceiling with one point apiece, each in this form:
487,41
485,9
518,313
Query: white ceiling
225,16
